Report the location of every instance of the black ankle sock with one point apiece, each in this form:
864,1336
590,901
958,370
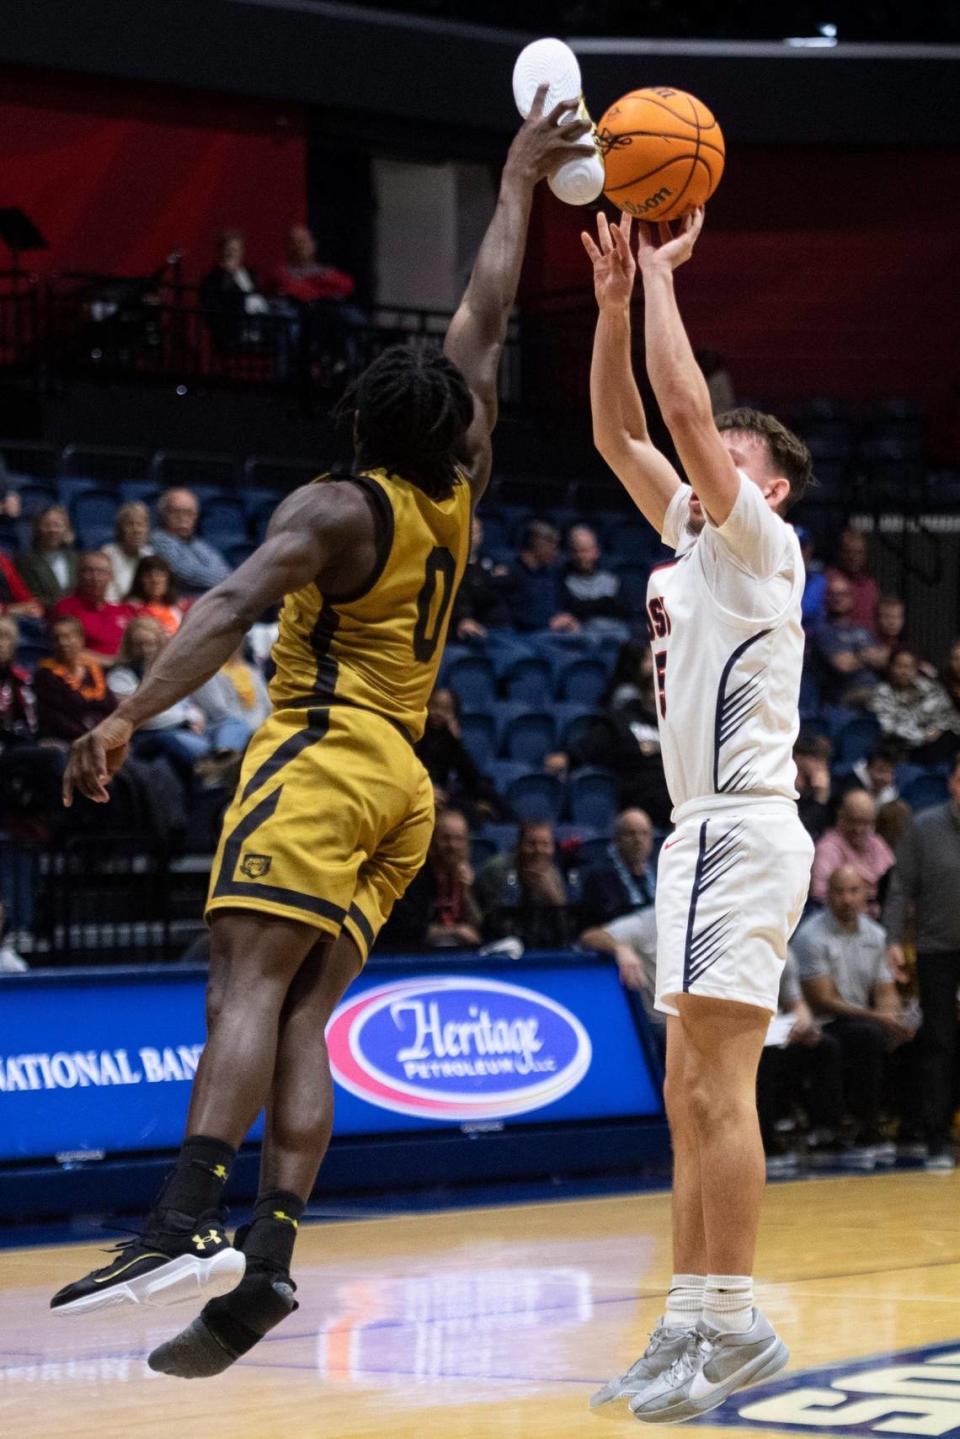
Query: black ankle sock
272,1232
240,1319
196,1184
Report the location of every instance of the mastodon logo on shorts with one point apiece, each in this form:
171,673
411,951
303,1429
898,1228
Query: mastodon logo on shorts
255,866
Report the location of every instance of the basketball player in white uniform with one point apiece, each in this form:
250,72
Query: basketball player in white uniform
724,619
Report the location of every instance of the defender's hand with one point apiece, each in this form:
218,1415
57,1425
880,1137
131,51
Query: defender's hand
95,757
544,142
614,268
673,250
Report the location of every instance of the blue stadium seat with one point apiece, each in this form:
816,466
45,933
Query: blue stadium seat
223,520
472,681
146,491
633,540
30,652
504,836
856,739
259,497
529,737
69,486
482,848
503,772
35,497
238,551
496,534
479,732
594,851
535,797
633,587
574,723
94,537
592,798
583,680
926,790
528,680
906,773
94,510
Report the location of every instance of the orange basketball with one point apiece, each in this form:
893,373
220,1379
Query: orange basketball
662,151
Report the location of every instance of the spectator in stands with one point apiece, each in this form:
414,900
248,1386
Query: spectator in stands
916,711
196,566
103,623
301,276
49,567
235,703
854,843
126,551
800,1063
814,603
153,591
18,709
448,762
719,380
483,600
927,880
950,676
536,582
852,566
523,894
72,690
230,295
631,942
440,909
846,652
626,881
10,961
15,599
811,754
847,983
626,737
877,773
589,593
178,733
893,820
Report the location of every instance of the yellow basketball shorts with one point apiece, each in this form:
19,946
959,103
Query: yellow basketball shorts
331,820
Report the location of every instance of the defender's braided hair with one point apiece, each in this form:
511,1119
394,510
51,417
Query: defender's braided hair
413,407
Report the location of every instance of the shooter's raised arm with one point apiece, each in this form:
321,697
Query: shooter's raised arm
677,379
477,331
619,424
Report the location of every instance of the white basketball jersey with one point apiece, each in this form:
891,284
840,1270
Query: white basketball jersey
724,619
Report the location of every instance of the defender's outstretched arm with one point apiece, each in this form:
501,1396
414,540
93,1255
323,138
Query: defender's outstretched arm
307,539
619,423
477,331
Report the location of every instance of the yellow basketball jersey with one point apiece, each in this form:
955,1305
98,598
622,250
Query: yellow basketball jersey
380,648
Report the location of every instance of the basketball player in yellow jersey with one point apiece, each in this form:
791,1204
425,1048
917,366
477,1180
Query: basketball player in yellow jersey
333,812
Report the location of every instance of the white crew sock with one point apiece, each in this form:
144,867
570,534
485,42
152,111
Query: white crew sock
684,1301
728,1302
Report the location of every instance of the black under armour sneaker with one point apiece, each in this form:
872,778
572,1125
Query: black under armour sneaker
175,1258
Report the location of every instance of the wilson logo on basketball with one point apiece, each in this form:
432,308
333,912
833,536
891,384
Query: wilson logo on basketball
457,1048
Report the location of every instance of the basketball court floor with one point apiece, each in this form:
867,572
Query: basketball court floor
498,1323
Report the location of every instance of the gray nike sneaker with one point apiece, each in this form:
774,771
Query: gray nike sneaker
709,1370
665,1344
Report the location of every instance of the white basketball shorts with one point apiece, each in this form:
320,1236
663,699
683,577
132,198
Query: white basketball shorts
731,886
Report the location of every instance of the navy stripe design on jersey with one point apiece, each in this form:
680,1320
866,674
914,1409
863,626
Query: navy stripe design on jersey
704,947
732,712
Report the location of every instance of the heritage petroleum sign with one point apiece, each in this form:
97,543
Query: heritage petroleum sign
457,1048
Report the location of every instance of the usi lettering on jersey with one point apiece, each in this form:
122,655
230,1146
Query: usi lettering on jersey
724,620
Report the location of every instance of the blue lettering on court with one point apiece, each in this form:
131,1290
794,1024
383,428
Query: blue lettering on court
909,1392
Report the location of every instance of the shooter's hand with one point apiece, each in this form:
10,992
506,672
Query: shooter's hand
614,268
673,250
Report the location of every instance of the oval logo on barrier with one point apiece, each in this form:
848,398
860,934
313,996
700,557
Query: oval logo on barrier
457,1048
